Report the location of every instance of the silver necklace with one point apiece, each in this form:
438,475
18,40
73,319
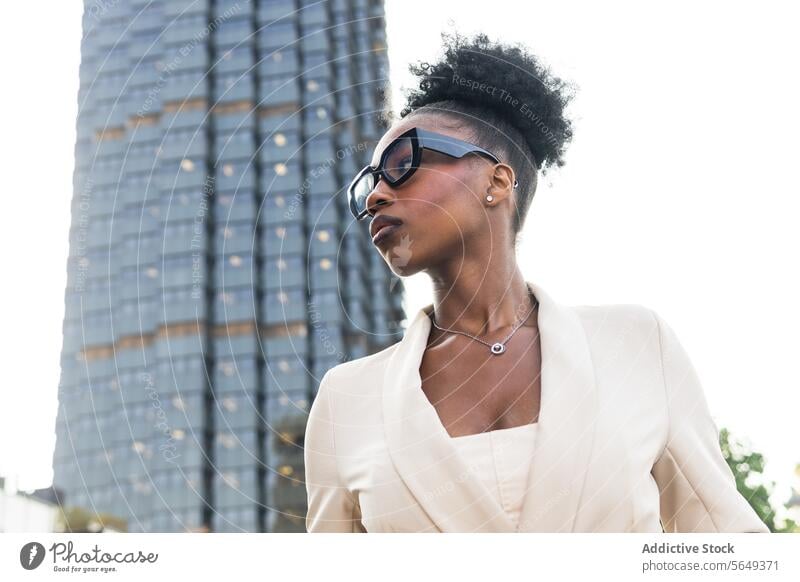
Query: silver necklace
496,348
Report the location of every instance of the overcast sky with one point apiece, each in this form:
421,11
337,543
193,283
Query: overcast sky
680,192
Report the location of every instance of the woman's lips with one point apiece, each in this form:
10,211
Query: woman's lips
384,232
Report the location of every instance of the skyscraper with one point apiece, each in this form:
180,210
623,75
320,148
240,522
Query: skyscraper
214,271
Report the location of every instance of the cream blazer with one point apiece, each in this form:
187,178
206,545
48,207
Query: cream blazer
625,442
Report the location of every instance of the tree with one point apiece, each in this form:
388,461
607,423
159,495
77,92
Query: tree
78,520
748,467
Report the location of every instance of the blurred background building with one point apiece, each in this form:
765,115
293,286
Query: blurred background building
214,270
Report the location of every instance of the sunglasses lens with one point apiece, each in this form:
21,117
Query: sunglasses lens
398,162
399,159
360,190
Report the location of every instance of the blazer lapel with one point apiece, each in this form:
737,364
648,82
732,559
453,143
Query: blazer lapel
567,421
422,451
444,484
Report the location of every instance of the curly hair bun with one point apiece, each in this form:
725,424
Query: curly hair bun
502,82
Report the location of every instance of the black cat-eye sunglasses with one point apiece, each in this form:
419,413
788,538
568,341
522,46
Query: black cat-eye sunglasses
400,160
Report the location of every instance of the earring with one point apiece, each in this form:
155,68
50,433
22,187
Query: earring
490,198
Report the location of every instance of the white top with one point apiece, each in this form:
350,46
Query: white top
501,459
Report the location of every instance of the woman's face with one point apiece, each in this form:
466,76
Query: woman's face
442,205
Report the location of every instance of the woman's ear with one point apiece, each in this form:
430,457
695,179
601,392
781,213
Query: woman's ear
501,182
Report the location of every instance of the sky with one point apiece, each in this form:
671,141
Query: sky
679,192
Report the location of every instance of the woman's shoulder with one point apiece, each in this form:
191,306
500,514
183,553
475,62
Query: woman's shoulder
345,375
626,312
613,318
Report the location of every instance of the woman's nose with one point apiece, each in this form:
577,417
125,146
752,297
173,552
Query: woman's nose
377,198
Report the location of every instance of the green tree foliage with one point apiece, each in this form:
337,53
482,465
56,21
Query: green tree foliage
748,467
78,520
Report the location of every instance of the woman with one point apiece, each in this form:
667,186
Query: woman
502,410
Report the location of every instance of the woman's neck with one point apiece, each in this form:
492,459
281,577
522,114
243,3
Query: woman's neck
481,304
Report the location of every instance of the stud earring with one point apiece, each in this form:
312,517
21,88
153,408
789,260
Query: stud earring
490,198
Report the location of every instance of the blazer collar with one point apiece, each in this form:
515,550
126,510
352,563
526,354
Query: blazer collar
440,478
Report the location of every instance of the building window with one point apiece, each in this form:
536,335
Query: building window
230,480
227,440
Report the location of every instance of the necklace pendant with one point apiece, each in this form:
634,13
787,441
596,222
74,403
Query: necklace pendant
498,348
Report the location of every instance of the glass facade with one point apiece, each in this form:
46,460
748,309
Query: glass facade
215,272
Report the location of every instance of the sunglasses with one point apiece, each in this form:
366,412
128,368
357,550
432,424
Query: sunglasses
400,160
